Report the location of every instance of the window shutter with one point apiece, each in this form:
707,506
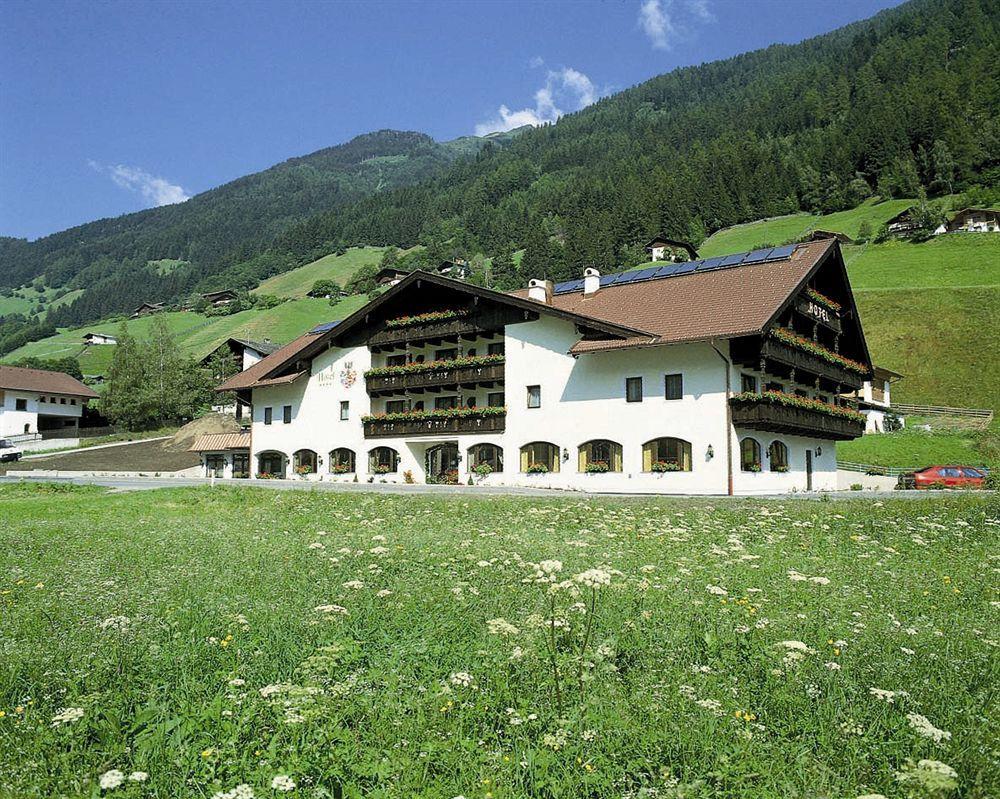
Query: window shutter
525,460
616,458
647,457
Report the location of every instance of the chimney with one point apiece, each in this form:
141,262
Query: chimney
591,281
540,291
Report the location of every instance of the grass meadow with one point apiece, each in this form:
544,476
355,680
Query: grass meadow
230,643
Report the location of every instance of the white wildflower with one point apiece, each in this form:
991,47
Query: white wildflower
887,696
138,776
924,727
832,665
356,585
67,715
716,590
331,609
461,679
282,782
501,627
111,779
594,578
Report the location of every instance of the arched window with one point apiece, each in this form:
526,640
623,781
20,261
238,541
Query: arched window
271,464
539,456
342,461
777,456
383,460
666,455
488,454
600,455
304,461
750,455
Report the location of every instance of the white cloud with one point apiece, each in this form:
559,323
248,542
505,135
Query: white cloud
656,24
664,21
565,90
156,191
700,10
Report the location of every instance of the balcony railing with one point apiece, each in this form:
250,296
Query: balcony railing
384,428
774,350
429,331
462,375
776,418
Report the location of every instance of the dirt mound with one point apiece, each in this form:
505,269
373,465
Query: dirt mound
206,425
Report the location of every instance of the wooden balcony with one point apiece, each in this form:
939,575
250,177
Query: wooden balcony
431,331
382,428
792,357
776,418
437,378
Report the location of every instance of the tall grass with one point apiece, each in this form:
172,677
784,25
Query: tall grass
403,646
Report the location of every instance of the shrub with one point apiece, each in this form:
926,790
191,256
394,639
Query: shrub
856,486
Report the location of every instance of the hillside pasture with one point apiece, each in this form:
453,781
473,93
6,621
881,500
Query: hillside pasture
779,230
196,335
404,646
957,259
339,268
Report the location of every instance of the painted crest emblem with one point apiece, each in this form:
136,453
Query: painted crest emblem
348,376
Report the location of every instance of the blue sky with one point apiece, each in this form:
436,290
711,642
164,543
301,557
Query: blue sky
111,107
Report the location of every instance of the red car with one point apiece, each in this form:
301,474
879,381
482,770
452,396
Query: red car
943,477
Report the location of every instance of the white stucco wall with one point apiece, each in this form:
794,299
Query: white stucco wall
582,399
13,421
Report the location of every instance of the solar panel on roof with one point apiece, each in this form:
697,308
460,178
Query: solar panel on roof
757,256
666,271
779,253
709,263
688,266
324,327
568,286
607,280
734,259
645,274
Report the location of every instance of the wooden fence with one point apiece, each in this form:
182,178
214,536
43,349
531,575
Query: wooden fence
979,417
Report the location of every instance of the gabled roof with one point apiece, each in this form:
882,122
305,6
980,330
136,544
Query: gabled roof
992,211
726,302
260,370
16,378
317,339
263,347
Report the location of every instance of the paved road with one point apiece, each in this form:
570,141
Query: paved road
467,492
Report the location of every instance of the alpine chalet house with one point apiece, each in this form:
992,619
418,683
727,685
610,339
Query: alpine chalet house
39,403
724,375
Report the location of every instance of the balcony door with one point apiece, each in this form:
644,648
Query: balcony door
809,470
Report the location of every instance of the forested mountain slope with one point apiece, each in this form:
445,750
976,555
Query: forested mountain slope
217,230
903,103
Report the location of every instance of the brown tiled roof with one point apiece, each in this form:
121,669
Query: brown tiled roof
14,378
720,303
249,378
215,442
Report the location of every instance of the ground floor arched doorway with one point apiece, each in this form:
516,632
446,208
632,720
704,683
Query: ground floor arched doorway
442,463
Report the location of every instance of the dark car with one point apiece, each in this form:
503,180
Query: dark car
943,477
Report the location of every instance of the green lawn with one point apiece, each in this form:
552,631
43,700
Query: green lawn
915,448
944,340
364,644
952,260
339,268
